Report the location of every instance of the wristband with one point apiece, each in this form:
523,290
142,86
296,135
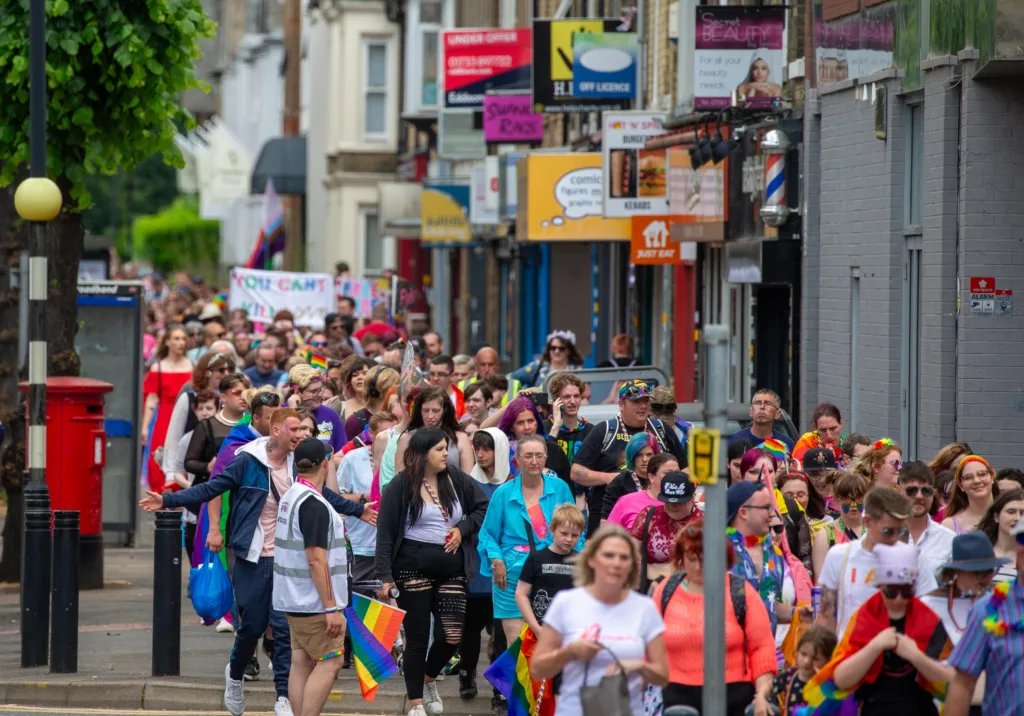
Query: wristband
333,610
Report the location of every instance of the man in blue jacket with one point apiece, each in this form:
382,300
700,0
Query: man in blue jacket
261,472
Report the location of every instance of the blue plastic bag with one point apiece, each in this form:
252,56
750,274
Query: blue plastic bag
209,588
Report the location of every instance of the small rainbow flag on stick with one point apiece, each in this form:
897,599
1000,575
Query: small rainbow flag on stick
776,447
317,360
373,627
510,675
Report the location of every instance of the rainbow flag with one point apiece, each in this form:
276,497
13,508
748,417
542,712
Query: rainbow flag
510,675
825,698
777,448
317,360
373,627
271,239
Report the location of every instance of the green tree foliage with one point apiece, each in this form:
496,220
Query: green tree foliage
117,200
177,238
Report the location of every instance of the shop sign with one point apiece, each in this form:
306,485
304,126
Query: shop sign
483,208
561,200
458,136
554,64
510,118
508,185
604,65
650,244
637,178
697,199
738,50
444,213
476,61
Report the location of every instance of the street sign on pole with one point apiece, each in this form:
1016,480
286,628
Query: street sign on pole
702,447
709,459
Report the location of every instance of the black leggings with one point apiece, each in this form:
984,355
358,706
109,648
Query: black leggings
738,696
430,582
479,615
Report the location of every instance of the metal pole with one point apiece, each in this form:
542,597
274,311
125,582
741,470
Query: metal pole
641,59
64,635
35,556
167,594
716,342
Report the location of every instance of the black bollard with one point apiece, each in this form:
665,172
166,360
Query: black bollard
167,594
64,623
35,578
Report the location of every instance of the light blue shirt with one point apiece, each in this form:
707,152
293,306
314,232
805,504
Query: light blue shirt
355,473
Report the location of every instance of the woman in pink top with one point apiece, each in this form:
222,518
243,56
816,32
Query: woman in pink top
629,506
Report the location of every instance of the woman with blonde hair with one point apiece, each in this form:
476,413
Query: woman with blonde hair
603,619
881,464
307,391
974,491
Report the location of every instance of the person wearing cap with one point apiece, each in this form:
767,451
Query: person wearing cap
819,465
891,660
311,579
765,408
750,508
993,643
656,527
600,457
933,541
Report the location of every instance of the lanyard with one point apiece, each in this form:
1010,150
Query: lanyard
433,496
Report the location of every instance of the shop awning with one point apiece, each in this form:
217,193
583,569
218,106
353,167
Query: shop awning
399,207
282,159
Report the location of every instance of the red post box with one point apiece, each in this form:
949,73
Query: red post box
76,451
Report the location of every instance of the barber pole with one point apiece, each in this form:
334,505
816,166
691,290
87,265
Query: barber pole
775,180
774,146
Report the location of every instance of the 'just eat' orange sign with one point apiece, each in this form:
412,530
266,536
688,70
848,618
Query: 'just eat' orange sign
651,243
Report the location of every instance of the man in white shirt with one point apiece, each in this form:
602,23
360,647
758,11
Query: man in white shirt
848,576
933,541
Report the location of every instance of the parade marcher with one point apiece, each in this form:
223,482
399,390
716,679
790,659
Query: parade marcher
549,571
426,513
849,490
813,651
478,399
621,353
210,434
603,610
854,446
826,429
820,466
433,409
639,450
993,642
891,659
796,487
160,390
353,397
566,426
998,525
627,507
260,472
463,368
307,386
933,541
750,662
521,418
734,454
517,523
881,464
311,580
559,354
441,369
949,457
265,370
848,578
376,383
599,460
487,363
765,409
974,491
656,527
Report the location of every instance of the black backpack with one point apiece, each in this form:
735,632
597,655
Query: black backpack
654,426
737,591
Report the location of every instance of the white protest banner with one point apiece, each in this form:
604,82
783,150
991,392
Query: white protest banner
366,292
309,296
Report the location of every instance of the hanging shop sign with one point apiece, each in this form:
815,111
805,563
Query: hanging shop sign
560,199
510,118
444,212
483,207
508,185
738,52
650,244
604,65
476,61
697,198
554,64
459,136
636,178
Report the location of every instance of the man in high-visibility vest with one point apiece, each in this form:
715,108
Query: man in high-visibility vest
487,363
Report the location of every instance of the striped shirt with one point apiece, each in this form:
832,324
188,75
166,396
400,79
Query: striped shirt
1001,658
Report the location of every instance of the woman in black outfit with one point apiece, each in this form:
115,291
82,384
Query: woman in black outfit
426,513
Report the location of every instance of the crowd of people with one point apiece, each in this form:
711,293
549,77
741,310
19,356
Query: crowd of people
484,503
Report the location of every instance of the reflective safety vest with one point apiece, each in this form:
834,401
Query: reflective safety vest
294,590
513,388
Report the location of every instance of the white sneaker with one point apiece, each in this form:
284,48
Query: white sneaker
417,711
224,627
283,707
234,699
432,700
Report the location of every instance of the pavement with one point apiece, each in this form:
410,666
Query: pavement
115,659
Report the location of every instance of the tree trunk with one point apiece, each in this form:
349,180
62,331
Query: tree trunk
64,239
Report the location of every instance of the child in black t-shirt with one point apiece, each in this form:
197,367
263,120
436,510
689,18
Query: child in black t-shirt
813,651
547,571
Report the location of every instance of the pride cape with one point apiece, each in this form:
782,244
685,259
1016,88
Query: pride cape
373,627
923,625
510,675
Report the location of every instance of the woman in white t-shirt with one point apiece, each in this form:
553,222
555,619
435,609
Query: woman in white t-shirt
603,614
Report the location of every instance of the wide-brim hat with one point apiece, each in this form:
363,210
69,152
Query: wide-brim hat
972,552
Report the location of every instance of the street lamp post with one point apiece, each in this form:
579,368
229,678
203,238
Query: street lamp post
37,201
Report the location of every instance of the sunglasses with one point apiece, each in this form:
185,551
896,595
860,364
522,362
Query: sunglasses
318,344
847,506
900,532
778,529
271,400
892,591
559,349
912,491
660,407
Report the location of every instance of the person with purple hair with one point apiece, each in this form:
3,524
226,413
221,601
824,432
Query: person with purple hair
520,418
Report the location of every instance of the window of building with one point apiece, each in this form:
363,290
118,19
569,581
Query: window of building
910,372
373,242
375,124
426,19
914,164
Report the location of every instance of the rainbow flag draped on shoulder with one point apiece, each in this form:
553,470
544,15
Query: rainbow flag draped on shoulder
510,675
825,698
373,627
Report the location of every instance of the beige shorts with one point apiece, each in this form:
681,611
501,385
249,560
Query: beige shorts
309,634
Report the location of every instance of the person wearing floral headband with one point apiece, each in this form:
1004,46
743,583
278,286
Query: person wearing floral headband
881,464
559,354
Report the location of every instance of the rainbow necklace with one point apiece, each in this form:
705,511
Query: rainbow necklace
433,497
994,624
636,481
748,540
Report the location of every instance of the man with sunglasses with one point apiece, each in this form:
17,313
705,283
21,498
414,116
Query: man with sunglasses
847,578
933,541
993,643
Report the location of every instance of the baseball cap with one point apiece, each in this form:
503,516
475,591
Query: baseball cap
818,459
739,494
635,390
310,453
676,488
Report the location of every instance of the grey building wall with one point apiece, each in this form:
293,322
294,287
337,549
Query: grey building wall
810,155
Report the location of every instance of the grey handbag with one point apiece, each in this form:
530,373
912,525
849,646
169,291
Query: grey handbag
611,696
